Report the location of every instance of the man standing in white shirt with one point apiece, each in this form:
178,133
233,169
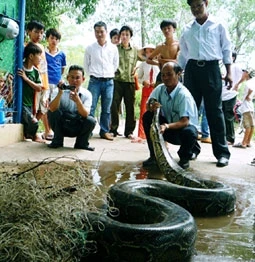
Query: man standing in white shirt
203,43
100,62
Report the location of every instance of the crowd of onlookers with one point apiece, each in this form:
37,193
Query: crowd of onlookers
183,78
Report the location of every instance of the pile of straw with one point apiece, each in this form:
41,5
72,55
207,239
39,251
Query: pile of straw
43,209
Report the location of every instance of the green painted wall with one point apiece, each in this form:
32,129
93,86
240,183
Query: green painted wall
7,47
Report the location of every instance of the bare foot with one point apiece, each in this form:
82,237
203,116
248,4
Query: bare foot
37,139
137,140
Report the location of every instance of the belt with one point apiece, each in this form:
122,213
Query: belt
102,79
202,63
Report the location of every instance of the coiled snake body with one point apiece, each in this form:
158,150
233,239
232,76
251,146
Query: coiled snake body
147,226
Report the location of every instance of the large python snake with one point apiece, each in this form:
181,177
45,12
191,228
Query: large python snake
144,225
199,196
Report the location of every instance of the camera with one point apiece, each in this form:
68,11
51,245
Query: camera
66,87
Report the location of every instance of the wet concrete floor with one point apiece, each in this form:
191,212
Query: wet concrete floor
224,238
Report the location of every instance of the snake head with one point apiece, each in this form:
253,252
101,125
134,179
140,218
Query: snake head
153,105
152,101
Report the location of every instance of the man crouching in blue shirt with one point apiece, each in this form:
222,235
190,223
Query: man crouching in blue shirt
178,116
69,111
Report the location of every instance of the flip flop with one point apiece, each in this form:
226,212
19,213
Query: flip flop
131,136
239,145
49,137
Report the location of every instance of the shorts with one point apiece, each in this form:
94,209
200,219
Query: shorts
248,119
42,101
52,87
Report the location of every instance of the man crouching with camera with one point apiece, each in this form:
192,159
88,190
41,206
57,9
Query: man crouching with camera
69,111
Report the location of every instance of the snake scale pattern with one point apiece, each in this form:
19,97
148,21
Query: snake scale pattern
150,220
199,196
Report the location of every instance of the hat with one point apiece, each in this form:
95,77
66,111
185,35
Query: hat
141,52
250,72
151,46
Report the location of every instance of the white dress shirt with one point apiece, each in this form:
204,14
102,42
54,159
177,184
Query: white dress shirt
101,61
144,72
209,41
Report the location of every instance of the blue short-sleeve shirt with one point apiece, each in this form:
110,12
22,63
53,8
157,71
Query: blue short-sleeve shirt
177,104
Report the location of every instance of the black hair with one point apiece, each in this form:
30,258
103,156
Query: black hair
53,32
166,23
234,55
127,28
100,24
76,67
114,32
189,2
31,48
35,25
176,67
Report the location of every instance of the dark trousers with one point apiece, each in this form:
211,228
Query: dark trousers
205,81
30,126
62,127
185,137
126,91
229,116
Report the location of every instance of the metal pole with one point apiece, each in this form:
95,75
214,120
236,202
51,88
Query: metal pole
19,62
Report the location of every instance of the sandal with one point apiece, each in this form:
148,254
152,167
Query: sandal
49,137
253,162
131,136
239,145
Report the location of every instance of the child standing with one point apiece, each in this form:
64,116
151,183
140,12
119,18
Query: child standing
35,31
56,59
32,84
115,36
247,111
166,51
147,77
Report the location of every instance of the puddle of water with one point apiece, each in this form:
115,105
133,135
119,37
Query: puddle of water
223,239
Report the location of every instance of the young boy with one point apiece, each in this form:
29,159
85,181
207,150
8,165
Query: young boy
147,77
35,31
56,59
247,111
115,36
32,84
166,51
